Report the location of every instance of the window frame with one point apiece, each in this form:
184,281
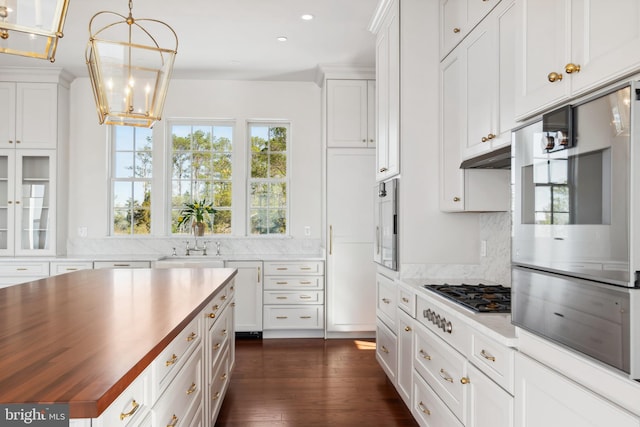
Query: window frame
112,179
249,180
168,181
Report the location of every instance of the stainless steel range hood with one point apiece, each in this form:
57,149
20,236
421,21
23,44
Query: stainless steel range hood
497,159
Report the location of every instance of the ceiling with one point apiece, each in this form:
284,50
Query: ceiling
236,39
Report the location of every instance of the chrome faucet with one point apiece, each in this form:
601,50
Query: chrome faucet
196,248
217,249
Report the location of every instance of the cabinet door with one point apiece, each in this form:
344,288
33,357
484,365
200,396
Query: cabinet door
489,405
371,113
543,46
248,295
347,113
350,268
35,217
7,201
388,95
605,38
453,24
405,356
451,176
543,397
37,115
7,114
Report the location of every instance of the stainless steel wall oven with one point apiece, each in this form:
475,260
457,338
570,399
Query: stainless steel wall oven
575,213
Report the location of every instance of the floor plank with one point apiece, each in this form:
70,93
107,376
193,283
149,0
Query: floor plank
310,382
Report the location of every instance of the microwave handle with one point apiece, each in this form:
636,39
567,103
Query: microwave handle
378,239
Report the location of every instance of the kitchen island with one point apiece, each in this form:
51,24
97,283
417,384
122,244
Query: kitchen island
82,338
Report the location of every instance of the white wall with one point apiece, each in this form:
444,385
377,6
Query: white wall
434,242
297,102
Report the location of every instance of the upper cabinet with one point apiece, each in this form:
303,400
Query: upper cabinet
476,106
28,115
458,18
351,113
568,47
388,92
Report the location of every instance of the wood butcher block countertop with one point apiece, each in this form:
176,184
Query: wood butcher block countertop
81,338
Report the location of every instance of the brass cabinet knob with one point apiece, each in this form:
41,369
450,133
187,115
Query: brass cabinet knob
484,139
456,30
464,380
456,199
491,136
572,68
554,77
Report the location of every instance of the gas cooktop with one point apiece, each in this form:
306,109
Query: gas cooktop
480,298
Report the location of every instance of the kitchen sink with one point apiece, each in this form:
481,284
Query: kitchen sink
173,261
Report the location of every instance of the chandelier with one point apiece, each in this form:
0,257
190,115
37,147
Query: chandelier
32,27
128,68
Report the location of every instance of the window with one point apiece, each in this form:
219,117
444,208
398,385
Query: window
201,160
268,180
131,175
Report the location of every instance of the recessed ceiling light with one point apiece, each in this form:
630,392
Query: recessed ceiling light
307,17
282,39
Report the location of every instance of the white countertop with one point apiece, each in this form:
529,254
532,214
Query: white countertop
495,325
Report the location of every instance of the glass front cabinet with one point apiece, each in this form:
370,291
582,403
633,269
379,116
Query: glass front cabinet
27,202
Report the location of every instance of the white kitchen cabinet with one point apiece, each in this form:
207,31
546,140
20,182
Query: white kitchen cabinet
463,189
488,56
15,272
489,405
388,92
458,18
386,305
544,397
350,288
121,264
386,350
28,115
568,47
351,113
249,289
61,267
288,316
27,202
404,374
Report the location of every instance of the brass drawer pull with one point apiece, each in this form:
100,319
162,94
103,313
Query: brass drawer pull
192,336
174,421
281,297
135,405
305,282
171,361
192,388
445,376
217,346
282,317
405,300
423,408
305,297
386,300
282,268
385,350
487,356
424,355
282,283
215,396
305,317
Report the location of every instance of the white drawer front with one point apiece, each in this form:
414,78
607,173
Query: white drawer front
24,269
386,304
407,300
165,367
68,267
131,406
300,297
183,396
218,385
443,368
284,282
494,359
293,317
219,336
428,409
273,268
386,350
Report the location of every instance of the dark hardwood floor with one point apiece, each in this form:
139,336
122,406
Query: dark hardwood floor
310,383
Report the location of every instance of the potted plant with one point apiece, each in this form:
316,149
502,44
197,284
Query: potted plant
198,213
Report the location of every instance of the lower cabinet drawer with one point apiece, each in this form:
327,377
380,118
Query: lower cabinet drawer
183,396
386,350
24,269
293,317
284,282
293,297
428,409
121,264
59,267
494,359
219,337
442,367
219,384
131,407
165,367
